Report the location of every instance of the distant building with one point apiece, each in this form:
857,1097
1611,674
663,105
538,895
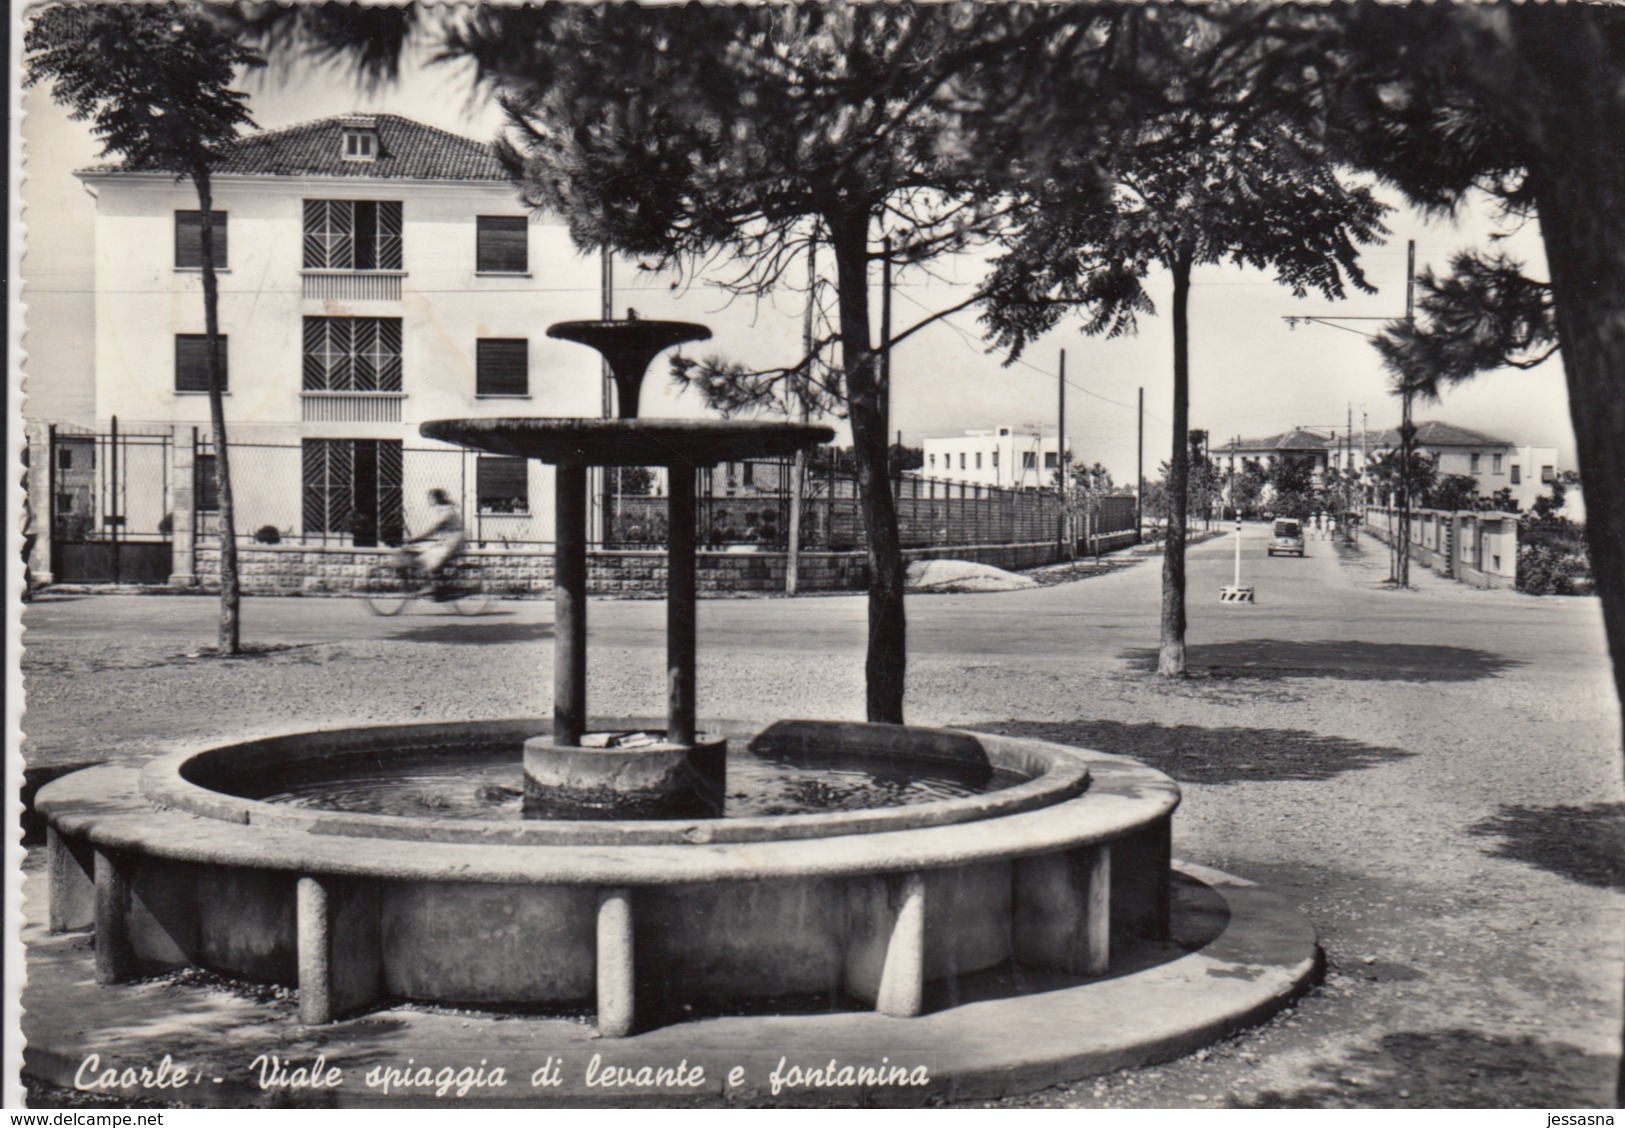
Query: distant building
1320,447
1493,463
1008,457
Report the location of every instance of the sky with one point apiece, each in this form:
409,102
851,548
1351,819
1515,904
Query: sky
1252,374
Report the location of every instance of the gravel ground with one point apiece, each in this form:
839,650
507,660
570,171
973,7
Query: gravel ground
1450,818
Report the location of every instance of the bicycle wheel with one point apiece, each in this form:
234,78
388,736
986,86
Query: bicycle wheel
385,590
471,596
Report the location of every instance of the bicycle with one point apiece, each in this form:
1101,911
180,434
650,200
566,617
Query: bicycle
388,588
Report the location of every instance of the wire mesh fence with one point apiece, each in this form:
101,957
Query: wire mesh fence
362,493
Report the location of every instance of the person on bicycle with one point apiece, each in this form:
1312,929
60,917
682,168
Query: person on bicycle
431,550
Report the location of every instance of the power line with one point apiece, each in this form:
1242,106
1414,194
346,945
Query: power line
972,339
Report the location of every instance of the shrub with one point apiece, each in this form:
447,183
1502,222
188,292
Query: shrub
268,534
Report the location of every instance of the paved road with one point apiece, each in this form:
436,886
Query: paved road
1299,601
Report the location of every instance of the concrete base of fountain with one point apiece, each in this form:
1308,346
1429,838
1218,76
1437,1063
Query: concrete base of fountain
626,775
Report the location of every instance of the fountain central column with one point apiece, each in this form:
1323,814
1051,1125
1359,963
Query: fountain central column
569,604
578,773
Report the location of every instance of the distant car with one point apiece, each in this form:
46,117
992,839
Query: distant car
1287,537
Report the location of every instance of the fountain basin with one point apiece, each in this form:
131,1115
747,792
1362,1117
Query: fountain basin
625,917
629,442
603,778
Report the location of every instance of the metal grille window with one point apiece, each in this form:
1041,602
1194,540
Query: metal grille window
352,235
189,240
502,366
502,484
192,362
206,484
501,244
352,354
353,487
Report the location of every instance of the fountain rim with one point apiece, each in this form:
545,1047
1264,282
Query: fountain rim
108,807
1055,773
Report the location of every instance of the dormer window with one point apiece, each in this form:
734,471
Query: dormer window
360,145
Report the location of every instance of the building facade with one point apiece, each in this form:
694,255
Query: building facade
1007,457
1493,463
374,273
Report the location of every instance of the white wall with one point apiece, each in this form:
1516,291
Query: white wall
143,301
1001,450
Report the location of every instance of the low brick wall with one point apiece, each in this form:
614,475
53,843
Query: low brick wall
295,570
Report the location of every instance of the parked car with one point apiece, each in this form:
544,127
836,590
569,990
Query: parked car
1287,537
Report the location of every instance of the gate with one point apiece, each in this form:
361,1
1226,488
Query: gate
111,507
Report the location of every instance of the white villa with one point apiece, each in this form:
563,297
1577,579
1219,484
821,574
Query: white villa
1009,457
374,273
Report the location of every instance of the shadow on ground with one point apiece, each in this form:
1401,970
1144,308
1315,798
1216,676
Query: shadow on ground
474,631
1332,658
1584,844
1194,754
1453,1068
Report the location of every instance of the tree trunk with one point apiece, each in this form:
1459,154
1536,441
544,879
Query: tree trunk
1171,655
229,639
886,662
1578,178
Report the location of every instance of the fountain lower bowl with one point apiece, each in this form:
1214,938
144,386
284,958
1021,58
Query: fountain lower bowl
359,909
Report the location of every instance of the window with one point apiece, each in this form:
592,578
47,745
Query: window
995,460
961,460
1049,460
189,240
205,484
192,362
352,235
502,367
933,460
360,145
1003,431
352,487
500,245
352,354
1473,460
502,484
1517,474
1029,460
1548,474
1495,463
978,460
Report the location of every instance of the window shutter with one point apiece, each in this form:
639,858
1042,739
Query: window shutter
502,367
502,244
189,240
503,484
192,362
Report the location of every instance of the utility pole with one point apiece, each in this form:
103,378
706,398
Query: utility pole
606,311
798,473
885,332
1139,475
1406,431
1060,461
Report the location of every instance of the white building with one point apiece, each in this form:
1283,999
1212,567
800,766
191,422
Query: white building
1493,463
1009,457
374,273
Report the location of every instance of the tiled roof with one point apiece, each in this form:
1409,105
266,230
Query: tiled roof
408,150
1297,439
1433,433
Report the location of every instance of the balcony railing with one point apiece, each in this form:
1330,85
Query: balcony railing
352,407
351,285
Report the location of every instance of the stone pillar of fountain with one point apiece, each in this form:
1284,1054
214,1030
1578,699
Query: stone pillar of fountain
579,774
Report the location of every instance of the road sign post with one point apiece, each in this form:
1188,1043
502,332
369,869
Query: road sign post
1235,593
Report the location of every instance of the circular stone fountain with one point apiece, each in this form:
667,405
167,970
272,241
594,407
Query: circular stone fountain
621,893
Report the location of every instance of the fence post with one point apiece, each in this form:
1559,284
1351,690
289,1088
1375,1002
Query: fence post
41,501
183,507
